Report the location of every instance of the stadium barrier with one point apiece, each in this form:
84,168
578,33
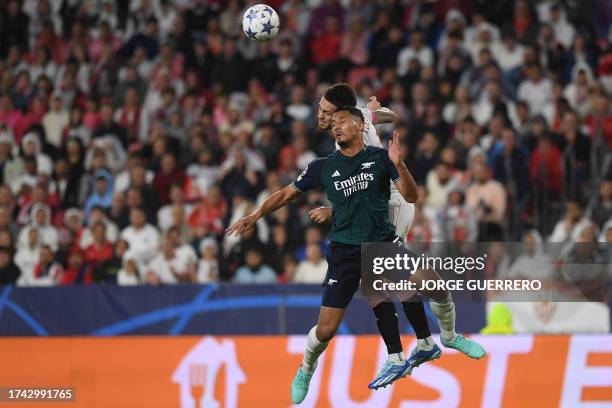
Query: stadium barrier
250,371
226,309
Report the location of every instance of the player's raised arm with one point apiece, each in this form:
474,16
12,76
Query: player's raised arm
380,114
310,178
275,201
402,178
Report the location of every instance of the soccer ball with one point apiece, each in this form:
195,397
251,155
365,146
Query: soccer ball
260,23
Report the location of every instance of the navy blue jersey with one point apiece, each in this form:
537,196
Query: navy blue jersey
358,188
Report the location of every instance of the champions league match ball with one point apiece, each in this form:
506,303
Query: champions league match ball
260,23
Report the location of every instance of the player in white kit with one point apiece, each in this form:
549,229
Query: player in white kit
401,214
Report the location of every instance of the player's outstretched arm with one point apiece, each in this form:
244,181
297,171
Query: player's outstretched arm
275,201
380,114
406,184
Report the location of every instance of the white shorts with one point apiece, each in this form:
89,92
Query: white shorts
401,214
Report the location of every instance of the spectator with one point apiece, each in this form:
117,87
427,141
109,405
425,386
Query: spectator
14,26
545,172
230,69
32,147
487,198
354,42
142,238
9,271
602,210
440,182
101,249
599,123
576,154
73,224
416,50
425,227
289,269
325,47
426,157
569,228
210,212
40,215
46,271
313,268
312,235
459,220
108,271
509,165
533,263
102,192
78,269
26,256
139,180
298,109
239,177
460,108
169,174
170,266
98,215
168,216
254,270
280,246
508,53
129,274
208,266
535,90
585,266
108,127
12,166
577,91
564,31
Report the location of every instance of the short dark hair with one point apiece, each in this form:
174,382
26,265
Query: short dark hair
341,94
356,113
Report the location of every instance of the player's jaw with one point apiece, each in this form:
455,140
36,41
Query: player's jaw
341,138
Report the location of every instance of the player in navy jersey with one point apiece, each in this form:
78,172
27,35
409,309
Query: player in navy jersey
401,214
356,181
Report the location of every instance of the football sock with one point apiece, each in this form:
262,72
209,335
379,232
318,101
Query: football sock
386,320
396,358
425,343
415,313
314,348
445,313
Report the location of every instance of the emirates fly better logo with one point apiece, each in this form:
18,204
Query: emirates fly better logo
354,183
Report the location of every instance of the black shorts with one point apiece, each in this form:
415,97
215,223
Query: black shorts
344,273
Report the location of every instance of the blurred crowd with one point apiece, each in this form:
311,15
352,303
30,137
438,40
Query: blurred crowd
132,133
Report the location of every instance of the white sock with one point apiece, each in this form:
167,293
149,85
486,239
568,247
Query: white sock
314,348
445,313
426,343
396,358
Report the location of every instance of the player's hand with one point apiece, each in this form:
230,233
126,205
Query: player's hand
373,104
244,224
395,151
320,214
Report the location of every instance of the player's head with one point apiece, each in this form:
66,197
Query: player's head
340,94
347,125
